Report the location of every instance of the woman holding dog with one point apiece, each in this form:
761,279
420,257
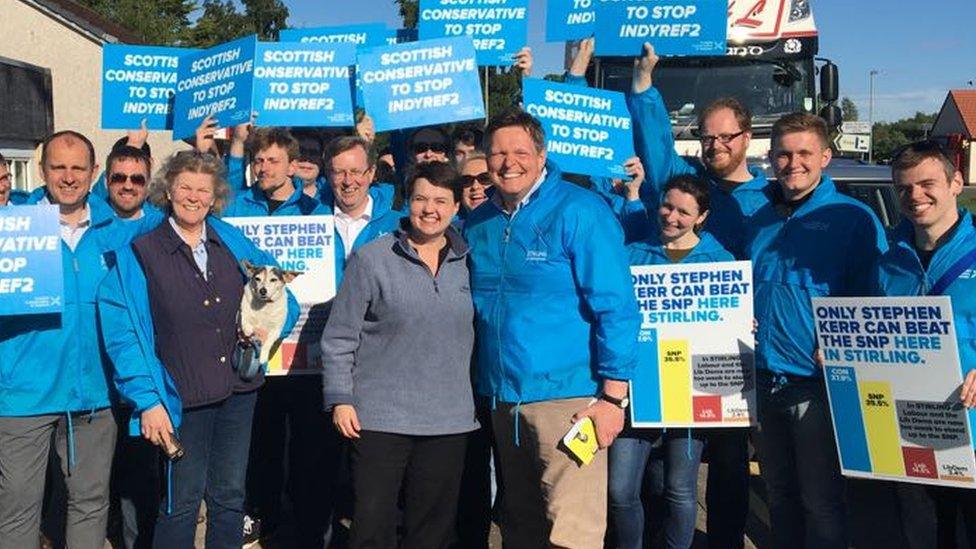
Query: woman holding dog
397,354
169,321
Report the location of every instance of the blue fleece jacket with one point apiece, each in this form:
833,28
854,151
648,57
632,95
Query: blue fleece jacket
655,146
826,248
555,311
900,273
253,203
128,334
52,363
651,252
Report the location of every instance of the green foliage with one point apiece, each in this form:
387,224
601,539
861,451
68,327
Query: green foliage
888,136
504,90
160,22
408,12
848,110
167,22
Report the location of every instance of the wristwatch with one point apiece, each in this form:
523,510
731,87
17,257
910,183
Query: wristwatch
621,403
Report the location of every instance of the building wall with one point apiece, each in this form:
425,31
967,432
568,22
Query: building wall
74,58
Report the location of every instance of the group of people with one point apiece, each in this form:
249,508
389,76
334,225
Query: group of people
485,305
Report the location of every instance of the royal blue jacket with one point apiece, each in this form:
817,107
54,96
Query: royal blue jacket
128,334
52,363
651,252
637,222
826,248
900,273
555,311
253,202
655,146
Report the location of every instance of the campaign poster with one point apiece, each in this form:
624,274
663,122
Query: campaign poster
139,83
570,20
31,275
893,377
421,83
588,130
498,29
697,353
304,243
366,35
673,28
215,82
304,84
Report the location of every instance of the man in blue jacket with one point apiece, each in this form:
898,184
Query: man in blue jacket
53,376
557,323
807,241
933,252
736,192
273,192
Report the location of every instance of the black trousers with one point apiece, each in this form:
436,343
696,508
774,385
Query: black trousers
295,452
428,468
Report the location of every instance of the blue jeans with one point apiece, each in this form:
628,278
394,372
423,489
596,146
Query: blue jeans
799,464
216,438
674,457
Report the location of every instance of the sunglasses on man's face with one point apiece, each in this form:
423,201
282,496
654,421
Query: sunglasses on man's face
420,148
119,178
482,178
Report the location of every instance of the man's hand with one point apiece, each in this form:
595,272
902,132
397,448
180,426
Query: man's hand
137,138
346,421
643,67
204,142
156,426
583,57
238,139
366,129
608,421
818,358
635,169
523,62
968,393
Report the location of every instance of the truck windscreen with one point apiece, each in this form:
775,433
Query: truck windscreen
769,88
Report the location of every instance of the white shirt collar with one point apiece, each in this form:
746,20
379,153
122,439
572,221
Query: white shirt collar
497,197
366,215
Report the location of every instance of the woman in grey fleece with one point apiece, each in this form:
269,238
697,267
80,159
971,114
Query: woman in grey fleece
397,354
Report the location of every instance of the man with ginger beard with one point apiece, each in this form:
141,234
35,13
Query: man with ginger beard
736,191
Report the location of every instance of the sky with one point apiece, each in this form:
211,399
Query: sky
921,49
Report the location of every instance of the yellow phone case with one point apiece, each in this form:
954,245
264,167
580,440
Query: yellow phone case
581,440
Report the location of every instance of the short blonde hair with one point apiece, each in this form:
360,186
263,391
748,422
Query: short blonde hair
192,162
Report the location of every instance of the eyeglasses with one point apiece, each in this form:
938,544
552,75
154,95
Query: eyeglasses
420,148
723,138
483,178
119,178
343,174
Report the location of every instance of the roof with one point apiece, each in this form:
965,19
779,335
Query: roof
85,20
965,101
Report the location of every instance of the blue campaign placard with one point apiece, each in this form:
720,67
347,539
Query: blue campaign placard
691,27
570,20
588,130
365,35
216,82
499,29
304,84
421,83
139,82
31,275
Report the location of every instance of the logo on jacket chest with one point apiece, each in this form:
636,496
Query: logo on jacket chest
968,274
819,226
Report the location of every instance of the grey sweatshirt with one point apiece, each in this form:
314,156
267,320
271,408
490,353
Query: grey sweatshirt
398,343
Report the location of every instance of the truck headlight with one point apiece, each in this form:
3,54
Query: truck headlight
799,9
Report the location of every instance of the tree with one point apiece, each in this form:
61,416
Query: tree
888,136
161,22
848,110
267,17
408,12
220,22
